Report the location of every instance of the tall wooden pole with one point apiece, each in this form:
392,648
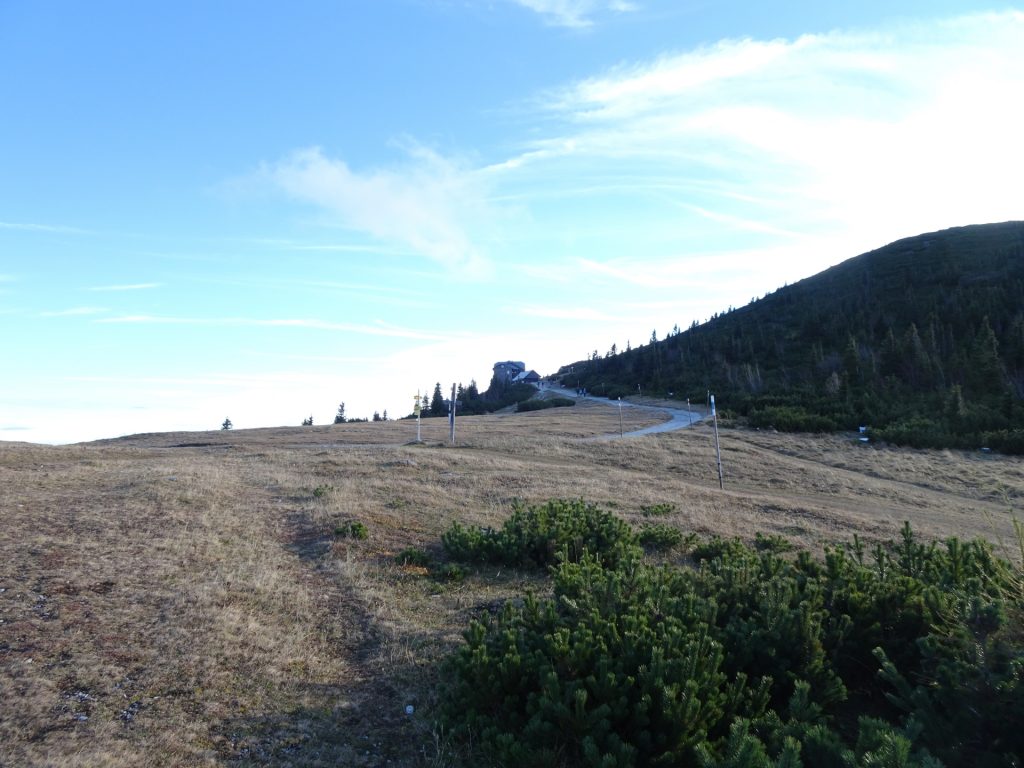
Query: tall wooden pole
451,416
718,447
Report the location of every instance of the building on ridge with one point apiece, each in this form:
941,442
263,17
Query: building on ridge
506,372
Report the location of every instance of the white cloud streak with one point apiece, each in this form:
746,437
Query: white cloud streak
128,287
587,314
50,228
431,206
74,312
378,329
574,14
869,136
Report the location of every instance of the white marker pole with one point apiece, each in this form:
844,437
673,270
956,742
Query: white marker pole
689,414
718,447
416,410
620,415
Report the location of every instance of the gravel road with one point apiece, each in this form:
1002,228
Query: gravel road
678,418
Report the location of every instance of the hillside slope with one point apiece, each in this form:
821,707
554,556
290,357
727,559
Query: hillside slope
923,339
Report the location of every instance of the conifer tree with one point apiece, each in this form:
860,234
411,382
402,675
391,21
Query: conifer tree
985,372
437,407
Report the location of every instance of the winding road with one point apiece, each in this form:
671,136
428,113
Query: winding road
679,418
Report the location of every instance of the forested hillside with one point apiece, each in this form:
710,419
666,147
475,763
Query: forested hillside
922,340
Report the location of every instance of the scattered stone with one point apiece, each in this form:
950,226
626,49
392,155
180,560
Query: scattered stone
128,714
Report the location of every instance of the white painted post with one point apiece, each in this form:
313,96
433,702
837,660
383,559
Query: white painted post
416,409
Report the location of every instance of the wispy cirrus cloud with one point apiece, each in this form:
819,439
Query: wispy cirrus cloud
430,205
293,245
575,14
588,314
51,228
74,312
126,287
379,328
869,135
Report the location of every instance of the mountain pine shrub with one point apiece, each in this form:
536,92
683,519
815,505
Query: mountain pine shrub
660,537
908,655
540,535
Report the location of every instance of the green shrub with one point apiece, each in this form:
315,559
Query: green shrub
660,537
658,510
619,669
449,572
893,657
322,490
351,530
772,543
717,547
414,556
541,535
789,418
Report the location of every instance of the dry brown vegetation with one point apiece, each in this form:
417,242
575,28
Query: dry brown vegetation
182,599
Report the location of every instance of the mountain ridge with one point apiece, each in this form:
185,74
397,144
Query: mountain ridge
922,339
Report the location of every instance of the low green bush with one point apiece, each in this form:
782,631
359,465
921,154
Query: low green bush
660,537
788,418
658,510
772,543
908,655
351,530
452,572
542,535
414,556
322,490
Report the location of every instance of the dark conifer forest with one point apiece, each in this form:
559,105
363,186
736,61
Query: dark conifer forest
921,340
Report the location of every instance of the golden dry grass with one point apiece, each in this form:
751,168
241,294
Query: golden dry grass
180,599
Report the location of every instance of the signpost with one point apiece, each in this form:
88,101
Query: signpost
416,409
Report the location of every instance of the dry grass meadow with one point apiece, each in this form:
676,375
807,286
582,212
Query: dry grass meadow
182,599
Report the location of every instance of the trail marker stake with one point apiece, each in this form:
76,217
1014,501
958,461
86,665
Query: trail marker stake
416,409
718,447
451,416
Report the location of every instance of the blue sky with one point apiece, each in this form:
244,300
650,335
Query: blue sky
256,210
